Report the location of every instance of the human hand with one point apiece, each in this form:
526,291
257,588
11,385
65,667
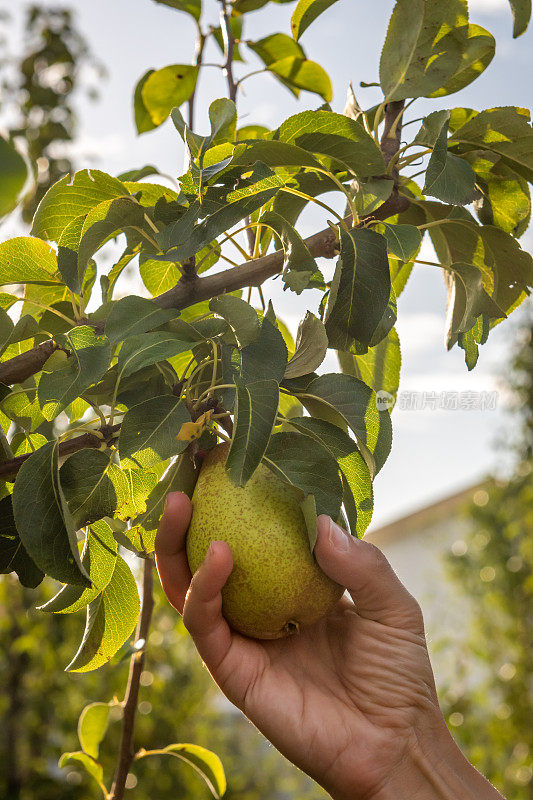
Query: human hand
350,700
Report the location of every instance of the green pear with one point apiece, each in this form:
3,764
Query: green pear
276,585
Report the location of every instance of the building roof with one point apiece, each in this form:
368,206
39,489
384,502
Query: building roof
429,515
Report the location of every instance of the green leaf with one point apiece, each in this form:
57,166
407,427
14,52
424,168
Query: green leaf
357,483
111,618
379,368
423,47
301,73
298,263
25,328
505,200
27,260
236,28
143,120
103,222
181,476
467,301
149,430
371,194
43,519
311,347
305,13
192,7
239,315
431,128
448,177
89,359
98,559
145,349
251,193
24,409
360,289
478,50
255,417
70,199
206,763
92,726
276,47
88,489
521,15
343,399
304,463
507,270
337,136
13,175
273,153
505,131
158,276
266,357
403,241
13,554
168,88
133,315
89,765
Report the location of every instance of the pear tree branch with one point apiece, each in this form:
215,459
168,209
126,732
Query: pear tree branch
126,751
229,47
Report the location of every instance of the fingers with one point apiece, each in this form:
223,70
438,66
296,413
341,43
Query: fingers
202,612
375,588
171,557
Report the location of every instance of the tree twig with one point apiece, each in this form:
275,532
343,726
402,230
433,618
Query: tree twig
107,435
257,270
19,368
390,144
126,752
229,47
197,62
192,289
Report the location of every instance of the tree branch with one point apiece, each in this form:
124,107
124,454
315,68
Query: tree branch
107,435
197,62
19,368
192,289
229,46
126,752
254,272
390,144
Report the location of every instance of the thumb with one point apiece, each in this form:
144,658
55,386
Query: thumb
376,590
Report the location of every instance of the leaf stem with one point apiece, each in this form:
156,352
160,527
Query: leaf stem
197,62
126,752
310,199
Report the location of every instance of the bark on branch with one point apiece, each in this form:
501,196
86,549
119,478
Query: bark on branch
19,368
126,752
256,271
106,435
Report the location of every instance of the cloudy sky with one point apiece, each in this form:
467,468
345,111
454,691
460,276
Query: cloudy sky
435,451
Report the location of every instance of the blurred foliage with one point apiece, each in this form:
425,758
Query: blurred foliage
493,720
40,705
41,85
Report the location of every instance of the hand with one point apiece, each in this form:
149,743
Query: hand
351,700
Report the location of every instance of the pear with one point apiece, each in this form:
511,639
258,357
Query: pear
276,585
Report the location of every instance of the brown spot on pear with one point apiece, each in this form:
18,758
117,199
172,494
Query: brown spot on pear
276,585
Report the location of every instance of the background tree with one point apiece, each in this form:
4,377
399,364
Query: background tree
493,720
39,88
108,404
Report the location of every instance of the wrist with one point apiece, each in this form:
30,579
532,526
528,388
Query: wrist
435,769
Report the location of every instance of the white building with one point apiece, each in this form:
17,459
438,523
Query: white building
417,546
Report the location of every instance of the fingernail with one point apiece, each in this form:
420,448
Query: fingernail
337,537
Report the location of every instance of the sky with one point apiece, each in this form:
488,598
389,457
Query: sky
435,451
